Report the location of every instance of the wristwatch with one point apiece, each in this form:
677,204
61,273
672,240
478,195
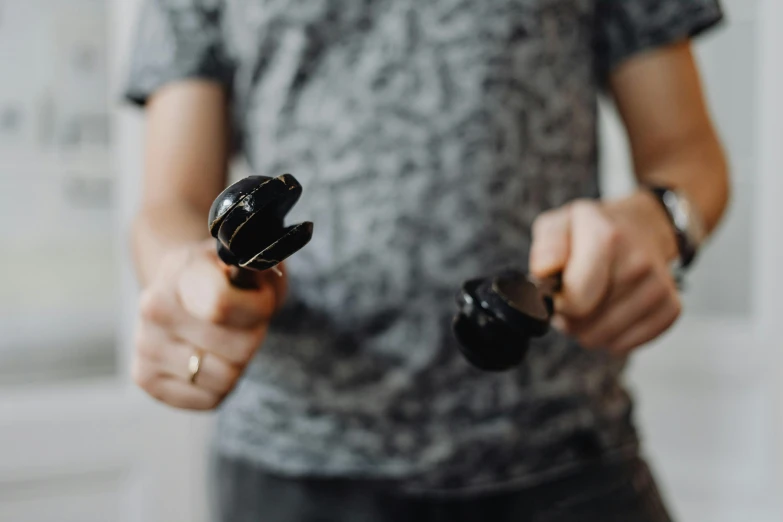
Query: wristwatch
685,219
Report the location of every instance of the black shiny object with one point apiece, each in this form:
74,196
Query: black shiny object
498,316
247,220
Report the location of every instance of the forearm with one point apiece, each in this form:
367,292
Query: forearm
673,141
186,163
696,166
159,229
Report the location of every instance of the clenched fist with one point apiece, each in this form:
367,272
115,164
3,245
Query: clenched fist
618,291
190,308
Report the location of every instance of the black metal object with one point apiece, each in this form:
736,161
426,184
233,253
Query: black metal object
247,219
499,315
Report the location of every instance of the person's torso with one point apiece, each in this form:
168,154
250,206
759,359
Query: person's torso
428,135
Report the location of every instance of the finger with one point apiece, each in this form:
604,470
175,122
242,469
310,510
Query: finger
179,394
586,276
158,305
215,373
622,309
653,325
236,347
551,237
206,293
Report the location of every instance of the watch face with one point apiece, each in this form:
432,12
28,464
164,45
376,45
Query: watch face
679,209
685,217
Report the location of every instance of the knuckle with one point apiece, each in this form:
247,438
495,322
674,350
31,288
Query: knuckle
236,356
670,320
152,307
213,401
579,303
659,293
221,379
232,376
542,222
584,206
156,392
610,236
244,353
639,267
220,309
538,224
245,349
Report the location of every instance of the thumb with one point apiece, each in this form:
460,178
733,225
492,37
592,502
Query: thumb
551,242
206,294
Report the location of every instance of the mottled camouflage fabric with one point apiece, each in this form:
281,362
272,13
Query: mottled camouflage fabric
428,134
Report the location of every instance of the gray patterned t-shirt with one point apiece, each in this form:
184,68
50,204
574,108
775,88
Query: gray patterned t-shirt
428,134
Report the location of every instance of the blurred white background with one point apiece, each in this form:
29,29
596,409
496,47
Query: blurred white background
79,443
708,393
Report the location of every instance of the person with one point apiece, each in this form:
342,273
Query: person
436,142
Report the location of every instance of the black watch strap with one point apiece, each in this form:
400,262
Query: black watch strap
686,244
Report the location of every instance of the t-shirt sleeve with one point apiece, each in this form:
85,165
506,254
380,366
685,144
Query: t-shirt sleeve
176,40
625,28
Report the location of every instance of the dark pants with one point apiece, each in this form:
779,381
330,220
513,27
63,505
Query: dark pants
623,492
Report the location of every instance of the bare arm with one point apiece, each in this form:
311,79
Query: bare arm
673,141
186,161
618,292
195,332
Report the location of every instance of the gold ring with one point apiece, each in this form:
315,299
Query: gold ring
194,365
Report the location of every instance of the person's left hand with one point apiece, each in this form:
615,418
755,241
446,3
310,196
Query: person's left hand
618,292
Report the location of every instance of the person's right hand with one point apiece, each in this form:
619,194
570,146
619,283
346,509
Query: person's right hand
190,307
